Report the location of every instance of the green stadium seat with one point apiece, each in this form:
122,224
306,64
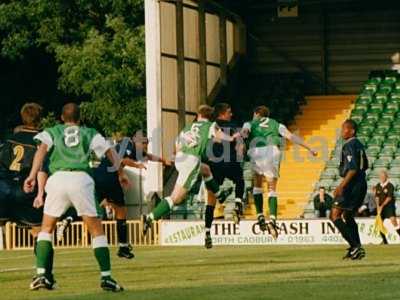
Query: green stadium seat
374,80
362,102
365,131
373,152
395,162
384,123
387,151
393,132
387,117
367,123
389,80
373,117
376,141
395,96
392,106
384,89
370,87
380,131
376,108
330,173
357,119
381,163
333,163
380,98
394,172
395,126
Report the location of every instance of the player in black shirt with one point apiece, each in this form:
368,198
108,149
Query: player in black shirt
386,202
134,154
350,194
224,162
16,157
108,187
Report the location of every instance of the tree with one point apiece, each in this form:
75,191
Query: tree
99,48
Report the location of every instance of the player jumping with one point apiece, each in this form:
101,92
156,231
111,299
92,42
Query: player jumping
264,136
191,150
350,194
70,184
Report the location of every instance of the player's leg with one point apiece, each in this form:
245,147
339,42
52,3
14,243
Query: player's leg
45,255
125,249
336,218
213,179
188,168
259,200
273,206
66,220
235,173
357,196
209,218
101,253
83,198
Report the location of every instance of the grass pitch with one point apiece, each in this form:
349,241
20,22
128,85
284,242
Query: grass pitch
271,272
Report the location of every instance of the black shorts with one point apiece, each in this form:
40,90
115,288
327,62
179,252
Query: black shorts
388,211
108,187
222,170
353,196
16,205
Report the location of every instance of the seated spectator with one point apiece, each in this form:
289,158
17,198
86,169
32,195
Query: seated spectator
368,208
322,203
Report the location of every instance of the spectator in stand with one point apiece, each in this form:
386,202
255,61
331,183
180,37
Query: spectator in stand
368,209
322,203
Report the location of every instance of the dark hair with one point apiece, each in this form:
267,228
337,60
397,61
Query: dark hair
220,108
262,110
31,114
322,188
71,112
353,125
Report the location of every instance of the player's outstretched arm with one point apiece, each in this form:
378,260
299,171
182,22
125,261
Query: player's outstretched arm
131,163
38,159
295,139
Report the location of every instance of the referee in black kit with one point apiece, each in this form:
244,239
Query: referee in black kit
350,194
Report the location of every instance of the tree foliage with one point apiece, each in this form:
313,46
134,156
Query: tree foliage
99,48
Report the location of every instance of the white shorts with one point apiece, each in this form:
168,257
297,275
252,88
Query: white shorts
66,189
265,161
188,167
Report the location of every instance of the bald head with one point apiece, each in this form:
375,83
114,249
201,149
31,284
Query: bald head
71,113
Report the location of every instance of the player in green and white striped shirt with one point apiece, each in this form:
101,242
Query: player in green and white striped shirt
69,146
265,135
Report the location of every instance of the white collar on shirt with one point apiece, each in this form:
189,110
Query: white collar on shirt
384,184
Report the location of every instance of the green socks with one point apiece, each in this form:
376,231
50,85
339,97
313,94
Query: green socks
163,208
258,200
273,206
102,254
44,254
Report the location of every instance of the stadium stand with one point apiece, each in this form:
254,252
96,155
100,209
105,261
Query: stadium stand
376,111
